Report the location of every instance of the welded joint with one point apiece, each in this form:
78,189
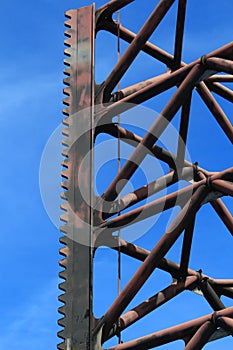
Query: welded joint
197,173
213,194
215,319
210,294
117,96
101,17
197,289
105,12
209,184
203,60
98,327
98,213
197,274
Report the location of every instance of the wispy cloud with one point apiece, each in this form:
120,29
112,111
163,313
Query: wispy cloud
33,324
15,94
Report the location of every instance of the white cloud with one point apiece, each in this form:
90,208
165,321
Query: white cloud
34,324
15,94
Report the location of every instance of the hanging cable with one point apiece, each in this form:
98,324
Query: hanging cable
118,168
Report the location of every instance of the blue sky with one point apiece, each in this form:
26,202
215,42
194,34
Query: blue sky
31,104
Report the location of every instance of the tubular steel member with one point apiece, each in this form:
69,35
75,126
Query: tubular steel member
153,260
182,331
89,219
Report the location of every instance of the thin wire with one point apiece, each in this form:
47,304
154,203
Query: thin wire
118,168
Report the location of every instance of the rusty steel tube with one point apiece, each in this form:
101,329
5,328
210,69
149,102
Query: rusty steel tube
141,194
220,64
154,132
136,46
153,303
149,48
129,90
168,335
224,78
183,132
133,140
141,254
223,213
179,32
216,110
226,323
153,259
176,198
225,51
210,295
224,187
221,90
163,56
226,175
227,291
148,190
186,248
223,282
159,85
108,9
201,337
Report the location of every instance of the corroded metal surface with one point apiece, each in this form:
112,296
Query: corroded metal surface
77,286
89,221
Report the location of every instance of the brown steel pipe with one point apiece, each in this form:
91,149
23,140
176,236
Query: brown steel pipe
161,84
222,78
210,295
223,282
147,191
183,132
179,32
174,333
149,48
221,90
154,132
133,140
136,46
227,291
202,336
153,303
223,213
106,11
186,248
153,260
141,254
130,90
176,198
216,110
220,64
223,186
161,55
226,323
226,175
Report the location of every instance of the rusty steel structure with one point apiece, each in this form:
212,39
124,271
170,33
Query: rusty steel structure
90,221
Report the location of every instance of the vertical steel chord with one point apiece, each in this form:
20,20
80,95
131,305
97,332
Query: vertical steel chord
78,215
